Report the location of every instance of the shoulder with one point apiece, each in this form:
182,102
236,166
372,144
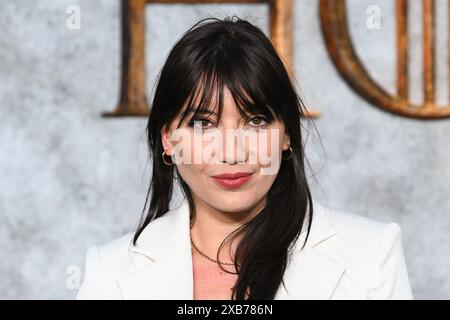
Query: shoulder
114,256
116,252
356,233
107,262
353,226
103,263
370,250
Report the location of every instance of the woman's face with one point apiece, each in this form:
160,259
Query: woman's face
245,151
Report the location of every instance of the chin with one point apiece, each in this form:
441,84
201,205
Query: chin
234,202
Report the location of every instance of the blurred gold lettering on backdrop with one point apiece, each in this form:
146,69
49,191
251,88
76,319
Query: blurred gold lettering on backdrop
133,99
339,44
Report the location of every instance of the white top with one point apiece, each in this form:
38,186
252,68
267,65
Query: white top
347,256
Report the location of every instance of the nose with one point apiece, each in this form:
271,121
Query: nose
234,149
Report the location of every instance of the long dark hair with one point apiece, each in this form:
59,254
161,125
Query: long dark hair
233,52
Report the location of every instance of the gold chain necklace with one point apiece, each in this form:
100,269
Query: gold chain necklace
204,255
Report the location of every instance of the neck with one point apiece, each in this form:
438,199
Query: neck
211,226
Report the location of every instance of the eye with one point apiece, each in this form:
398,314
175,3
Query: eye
202,123
258,121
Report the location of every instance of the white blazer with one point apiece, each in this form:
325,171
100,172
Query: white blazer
347,256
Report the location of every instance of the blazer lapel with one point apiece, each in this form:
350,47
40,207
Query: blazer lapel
163,268
169,278
311,276
311,272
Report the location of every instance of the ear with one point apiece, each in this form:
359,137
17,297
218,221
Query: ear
286,141
165,140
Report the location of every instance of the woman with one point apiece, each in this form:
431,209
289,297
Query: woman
247,226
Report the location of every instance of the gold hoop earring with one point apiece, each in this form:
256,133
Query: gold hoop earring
164,159
290,154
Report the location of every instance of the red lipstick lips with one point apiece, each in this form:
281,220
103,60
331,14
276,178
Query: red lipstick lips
232,180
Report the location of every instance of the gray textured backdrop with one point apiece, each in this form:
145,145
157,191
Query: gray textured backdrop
70,178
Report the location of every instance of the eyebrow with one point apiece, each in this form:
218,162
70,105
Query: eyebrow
201,111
